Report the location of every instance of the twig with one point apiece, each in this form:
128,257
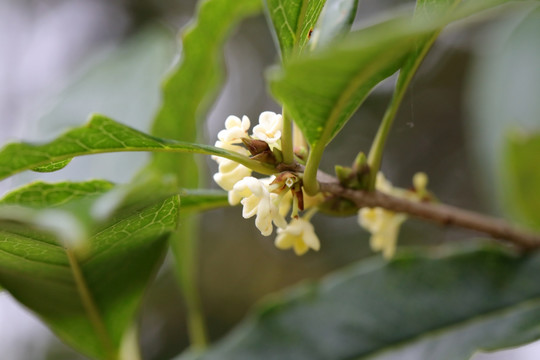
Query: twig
443,214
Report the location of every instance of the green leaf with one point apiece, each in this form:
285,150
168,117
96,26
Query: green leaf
502,96
202,199
293,22
44,195
322,90
187,95
100,135
428,9
191,87
55,166
122,83
443,304
522,178
88,298
335,21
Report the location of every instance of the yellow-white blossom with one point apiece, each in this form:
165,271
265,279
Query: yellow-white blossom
384,224
235,130
269,129
258,201
229,173
299,235
384,228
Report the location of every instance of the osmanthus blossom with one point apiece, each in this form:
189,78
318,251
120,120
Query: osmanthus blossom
230,173
257,200
230,138
384,228
384,224
298,235
270,199
269,129
235,129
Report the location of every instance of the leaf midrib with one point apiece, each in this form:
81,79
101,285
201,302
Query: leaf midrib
159,146
299,27
99,252
90,306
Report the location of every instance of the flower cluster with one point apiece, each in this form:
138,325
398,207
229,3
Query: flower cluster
384,224
269,199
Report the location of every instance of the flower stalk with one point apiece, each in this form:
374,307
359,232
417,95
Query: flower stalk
287,139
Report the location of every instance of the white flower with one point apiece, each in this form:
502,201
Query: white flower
269,128
284,204
257,200
299,235
229,173
235,130
384,224
384,227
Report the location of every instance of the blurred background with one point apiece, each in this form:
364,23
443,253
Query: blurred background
61,60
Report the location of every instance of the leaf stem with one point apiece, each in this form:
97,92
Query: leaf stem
404,79
90,306
184,246
377,148
286,139
311,185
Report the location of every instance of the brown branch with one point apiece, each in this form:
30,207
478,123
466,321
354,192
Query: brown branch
439,213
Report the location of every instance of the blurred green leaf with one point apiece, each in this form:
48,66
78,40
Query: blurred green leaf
201,199
123,83
522,178
100,135
442,304
88,296
188,93
427,9
191,87
53,166
502,96
42,195
335,21
293,22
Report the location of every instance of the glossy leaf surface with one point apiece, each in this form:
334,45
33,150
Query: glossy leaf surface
335,21
100,135
293,23
87,295
444,304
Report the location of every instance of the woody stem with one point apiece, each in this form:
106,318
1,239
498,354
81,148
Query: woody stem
439,213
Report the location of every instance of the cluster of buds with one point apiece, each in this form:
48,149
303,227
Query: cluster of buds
268,199
384,224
